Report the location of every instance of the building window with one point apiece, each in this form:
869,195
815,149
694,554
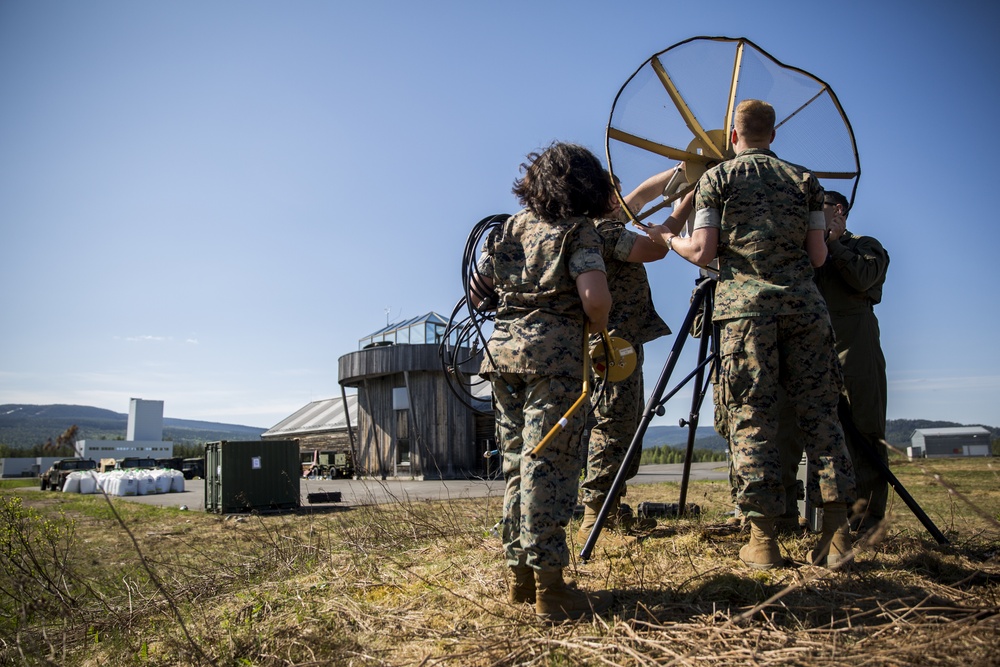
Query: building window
400,399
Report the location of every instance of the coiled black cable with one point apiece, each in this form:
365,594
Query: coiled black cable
464,336
468,317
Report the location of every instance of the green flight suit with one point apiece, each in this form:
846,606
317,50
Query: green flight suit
851,282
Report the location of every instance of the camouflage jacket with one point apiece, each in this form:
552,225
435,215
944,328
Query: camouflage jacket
767,206
539,320
633,316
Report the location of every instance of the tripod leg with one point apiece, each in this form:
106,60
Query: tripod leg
652,404
847,421
697,398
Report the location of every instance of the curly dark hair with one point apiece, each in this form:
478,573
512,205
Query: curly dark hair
564,181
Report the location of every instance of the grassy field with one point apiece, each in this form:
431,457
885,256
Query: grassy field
88,582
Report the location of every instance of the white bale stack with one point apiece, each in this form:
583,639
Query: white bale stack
125,482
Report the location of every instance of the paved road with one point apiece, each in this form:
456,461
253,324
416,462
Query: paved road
369,491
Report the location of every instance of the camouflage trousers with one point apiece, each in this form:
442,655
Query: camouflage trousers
540,492
618,408
870,483
791,444
757,356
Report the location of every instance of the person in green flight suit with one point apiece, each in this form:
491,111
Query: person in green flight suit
851,282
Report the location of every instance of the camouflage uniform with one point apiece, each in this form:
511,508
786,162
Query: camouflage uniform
774,327
537,346
619,405
851,282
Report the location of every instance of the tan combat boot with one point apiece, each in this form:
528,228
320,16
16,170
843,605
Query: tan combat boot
609,538
557,601
522,588
834,545
762,552
590,510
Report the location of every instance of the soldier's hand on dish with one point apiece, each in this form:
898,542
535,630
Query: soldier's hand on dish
836,224
657,233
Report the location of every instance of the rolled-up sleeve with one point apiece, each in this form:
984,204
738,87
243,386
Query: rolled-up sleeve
707,217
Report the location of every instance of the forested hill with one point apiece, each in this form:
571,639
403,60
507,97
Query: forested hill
897,432
24,427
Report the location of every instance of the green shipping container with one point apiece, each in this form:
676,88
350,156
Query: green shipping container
252,475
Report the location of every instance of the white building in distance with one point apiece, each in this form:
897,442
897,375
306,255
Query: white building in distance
143,438
950,442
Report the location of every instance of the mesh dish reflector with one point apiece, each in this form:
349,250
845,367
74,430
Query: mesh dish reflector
679,105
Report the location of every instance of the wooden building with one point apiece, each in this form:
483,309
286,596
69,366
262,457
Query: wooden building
410,423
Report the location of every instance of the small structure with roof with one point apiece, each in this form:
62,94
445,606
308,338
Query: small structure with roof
410,423
321,424
950,442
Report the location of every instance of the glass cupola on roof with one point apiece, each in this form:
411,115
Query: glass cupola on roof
427,329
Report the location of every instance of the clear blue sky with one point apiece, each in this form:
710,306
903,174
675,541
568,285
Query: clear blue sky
208,203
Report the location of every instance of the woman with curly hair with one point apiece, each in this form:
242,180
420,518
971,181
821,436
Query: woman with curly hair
546,266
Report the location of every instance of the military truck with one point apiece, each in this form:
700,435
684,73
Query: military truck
171,463
138,462
55,477
194,467
327,464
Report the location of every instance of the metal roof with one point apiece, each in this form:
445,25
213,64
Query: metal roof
326,415
953,430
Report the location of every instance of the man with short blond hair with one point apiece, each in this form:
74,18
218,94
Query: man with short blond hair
754,119
763,219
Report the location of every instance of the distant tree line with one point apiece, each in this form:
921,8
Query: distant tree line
17,439
667,454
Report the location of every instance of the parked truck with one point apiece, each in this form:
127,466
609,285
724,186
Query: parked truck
171,462
193,467
55,476
327,464
138,463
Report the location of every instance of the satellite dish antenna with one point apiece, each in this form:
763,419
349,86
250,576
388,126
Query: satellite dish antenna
678,107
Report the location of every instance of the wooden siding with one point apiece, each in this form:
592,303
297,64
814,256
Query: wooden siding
356,367
437,426
334,441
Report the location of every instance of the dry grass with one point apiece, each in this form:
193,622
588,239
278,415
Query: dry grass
422,583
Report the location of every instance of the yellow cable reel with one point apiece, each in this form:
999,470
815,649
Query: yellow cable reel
619,364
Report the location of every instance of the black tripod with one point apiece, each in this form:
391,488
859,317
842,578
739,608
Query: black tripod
702,302
847,420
